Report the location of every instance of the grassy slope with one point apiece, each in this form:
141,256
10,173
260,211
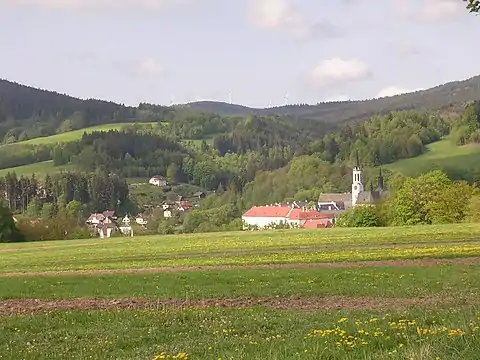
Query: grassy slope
73,135
254,332
441,155
46,167
40,169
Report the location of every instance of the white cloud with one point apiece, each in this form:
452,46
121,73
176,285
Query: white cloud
438,10
94,4
428,10
394,90
149,66
336,70
284,15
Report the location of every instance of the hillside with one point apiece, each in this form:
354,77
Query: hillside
74,134
27,113
440,97
443,155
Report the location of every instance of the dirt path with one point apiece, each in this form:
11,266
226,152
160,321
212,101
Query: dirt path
353,264
34,306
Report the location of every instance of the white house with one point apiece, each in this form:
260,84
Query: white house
141,219
262,216
125,227
158,180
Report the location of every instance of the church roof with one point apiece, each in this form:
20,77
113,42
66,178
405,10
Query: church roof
370,197
335,197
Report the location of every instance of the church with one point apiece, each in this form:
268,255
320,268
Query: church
342,202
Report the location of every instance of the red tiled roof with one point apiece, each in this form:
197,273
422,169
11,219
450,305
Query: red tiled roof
317,223
185,205
298,214
268,211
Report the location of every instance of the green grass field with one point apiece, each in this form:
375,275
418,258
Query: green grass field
441,155
40,169
396,293
75,135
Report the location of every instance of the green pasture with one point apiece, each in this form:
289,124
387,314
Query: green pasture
441,155
254,333
384,281
40,169
376,311
76,134
244,248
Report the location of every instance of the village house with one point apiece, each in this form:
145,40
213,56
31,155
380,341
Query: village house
125,227
103,223
184,206
200,195
141,219
158,180
264,216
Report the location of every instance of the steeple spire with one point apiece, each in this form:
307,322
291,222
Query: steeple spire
380,180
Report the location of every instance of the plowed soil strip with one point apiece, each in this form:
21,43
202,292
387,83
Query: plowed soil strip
34,306
353,264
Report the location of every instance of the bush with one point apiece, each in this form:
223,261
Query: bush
359,216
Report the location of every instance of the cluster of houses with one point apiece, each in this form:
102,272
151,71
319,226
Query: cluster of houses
106,223
323,214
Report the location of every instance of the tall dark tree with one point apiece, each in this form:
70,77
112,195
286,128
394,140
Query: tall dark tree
8,229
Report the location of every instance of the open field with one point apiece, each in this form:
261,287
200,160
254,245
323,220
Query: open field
76,134
397,293
40,169
441,155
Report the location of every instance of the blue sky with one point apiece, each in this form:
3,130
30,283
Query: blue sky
156,51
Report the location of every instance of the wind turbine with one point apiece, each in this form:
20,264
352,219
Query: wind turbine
286,98
172,100
230,96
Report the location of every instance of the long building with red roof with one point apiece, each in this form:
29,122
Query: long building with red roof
264,216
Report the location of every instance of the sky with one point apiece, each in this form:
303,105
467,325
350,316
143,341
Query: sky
257,53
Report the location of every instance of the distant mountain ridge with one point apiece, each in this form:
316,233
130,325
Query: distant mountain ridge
451,94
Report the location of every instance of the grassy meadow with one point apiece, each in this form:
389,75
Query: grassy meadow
396,293
76,134
40,169
441,155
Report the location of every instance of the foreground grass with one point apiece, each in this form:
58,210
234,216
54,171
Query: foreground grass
441,155
241,248
405,282
255,333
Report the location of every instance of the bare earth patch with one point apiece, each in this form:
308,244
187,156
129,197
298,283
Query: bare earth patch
353,264
35,306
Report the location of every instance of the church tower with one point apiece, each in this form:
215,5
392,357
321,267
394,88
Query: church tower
357,186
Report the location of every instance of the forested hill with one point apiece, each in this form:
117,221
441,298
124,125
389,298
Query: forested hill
21,102
439,97
27,112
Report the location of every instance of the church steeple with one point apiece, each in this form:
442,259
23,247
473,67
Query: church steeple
357,186
357,161
380,181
